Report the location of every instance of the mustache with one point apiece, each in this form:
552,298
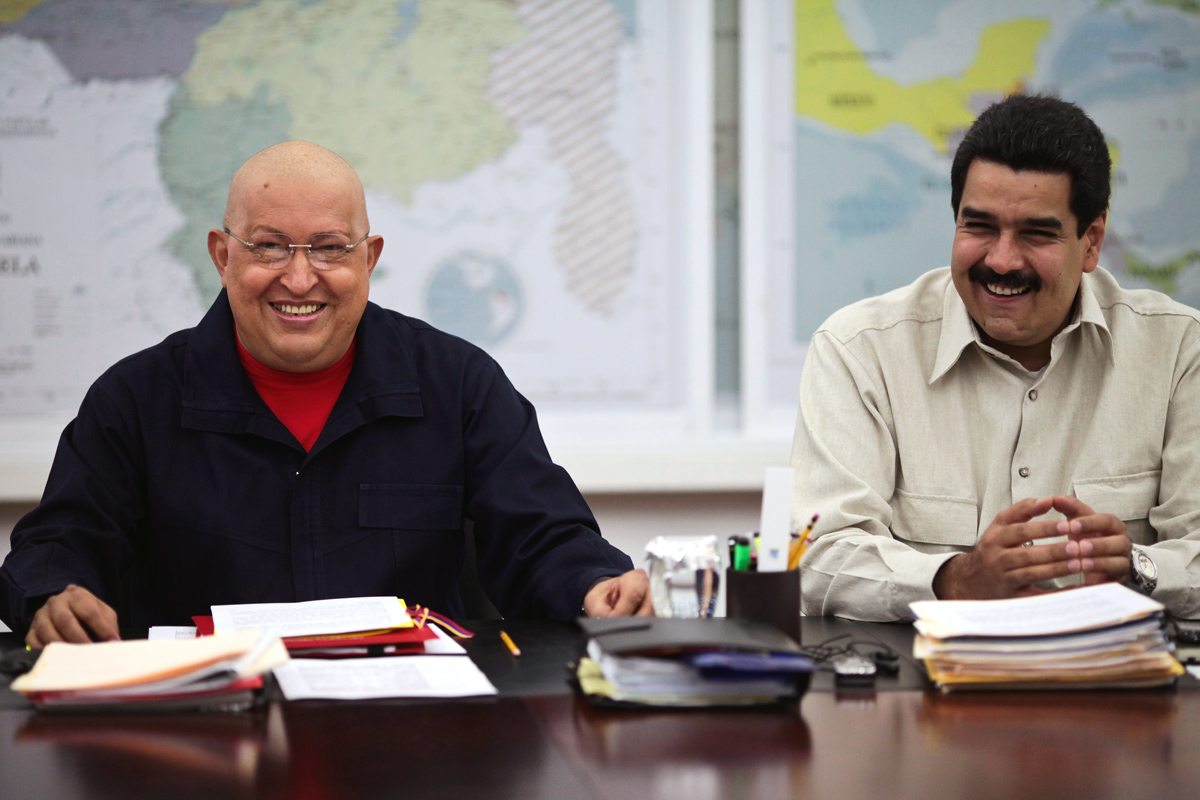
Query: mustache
978,273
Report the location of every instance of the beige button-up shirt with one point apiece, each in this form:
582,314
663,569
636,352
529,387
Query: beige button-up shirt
913,434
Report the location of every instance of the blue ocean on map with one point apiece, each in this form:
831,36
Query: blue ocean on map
868,219
1155,56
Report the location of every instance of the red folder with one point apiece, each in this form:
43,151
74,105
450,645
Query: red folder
398,641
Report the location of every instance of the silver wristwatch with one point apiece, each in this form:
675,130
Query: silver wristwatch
1143,572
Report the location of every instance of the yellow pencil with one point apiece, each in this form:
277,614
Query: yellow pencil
510,644
800,544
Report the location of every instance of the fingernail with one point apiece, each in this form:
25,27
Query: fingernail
1073,565
1085,547
1063,527
1088,564
1072,548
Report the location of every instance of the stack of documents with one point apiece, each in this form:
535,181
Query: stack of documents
349,626
690,662
213,673
348,634
1104,636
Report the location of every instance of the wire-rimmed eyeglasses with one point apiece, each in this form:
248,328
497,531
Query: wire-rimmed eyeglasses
275,252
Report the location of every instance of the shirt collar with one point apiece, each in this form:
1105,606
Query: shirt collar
959,331
218,394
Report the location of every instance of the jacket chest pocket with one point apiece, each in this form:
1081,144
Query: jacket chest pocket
1129,498
409,506
934,523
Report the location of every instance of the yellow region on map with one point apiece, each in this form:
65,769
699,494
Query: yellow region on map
13,10
403,113
836,84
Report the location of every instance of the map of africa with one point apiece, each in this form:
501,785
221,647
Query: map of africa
517,158
882,93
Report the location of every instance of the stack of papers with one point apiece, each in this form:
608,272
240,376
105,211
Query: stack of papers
214,673
340,630
690,662
1104,636
342,627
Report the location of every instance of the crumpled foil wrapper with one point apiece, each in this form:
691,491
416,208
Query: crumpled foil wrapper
685,575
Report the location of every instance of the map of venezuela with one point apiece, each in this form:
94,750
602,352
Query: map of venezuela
518,159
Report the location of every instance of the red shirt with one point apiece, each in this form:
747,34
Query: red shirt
301,400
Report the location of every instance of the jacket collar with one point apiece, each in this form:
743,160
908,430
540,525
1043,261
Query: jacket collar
218,396
959,330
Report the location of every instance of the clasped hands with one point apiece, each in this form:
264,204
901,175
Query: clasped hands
1008,560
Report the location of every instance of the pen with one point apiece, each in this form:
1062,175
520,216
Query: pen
510,644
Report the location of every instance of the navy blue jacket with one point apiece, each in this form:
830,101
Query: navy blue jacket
176,488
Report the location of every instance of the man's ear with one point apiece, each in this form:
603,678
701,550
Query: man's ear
374,250
218,251
1093,240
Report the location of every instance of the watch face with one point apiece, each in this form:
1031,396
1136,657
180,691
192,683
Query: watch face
1145,565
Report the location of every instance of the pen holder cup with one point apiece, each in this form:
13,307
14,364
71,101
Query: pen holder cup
770,597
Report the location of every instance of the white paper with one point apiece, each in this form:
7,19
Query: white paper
1067,611
314,617
775,521
387,676
443,645
1195,670
162,632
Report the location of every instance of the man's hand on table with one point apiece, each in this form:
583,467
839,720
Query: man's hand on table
622,596
73,615
1008,562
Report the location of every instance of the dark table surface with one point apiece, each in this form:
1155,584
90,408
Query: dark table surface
538,740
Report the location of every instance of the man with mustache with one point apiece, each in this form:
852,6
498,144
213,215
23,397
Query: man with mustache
1016,423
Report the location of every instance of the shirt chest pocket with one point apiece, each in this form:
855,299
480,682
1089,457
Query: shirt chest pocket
1127,497
413,507
934,523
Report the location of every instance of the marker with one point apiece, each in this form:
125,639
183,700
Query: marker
510,644
741,554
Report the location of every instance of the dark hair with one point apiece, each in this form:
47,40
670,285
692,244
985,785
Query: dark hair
1044,134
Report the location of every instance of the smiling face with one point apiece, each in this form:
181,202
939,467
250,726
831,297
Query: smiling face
1017,260
298,318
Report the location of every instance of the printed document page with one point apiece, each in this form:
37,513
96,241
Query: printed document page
1047,614
387,676
315,617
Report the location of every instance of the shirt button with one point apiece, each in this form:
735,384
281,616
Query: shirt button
1023,472
1033,394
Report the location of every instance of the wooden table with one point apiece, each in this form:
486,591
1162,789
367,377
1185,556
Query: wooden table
537,740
